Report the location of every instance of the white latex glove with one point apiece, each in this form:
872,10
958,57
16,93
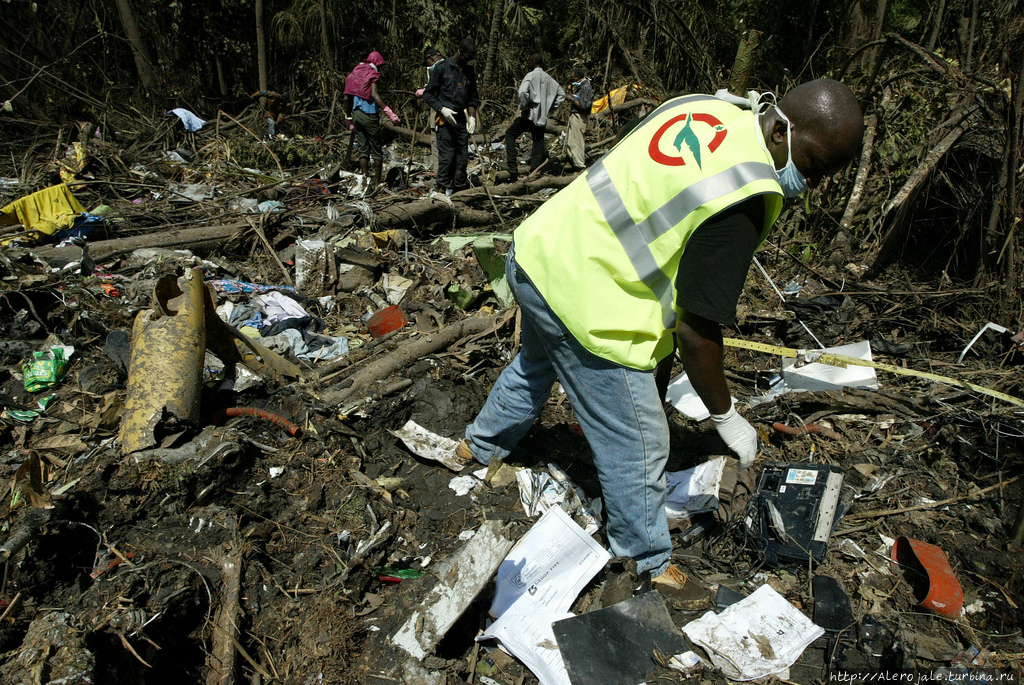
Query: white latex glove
392,116
739,435
470,124
419,92
449,115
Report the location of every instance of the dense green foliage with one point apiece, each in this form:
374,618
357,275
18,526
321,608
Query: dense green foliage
921,66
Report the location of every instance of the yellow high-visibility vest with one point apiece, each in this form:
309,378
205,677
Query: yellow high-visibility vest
604,252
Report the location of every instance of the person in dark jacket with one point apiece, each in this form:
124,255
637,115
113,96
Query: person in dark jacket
451,92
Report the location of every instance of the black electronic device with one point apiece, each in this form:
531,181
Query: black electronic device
794,510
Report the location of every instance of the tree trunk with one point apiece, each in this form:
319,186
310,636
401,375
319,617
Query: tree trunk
857,31
1006,201
743,65
970,38
863,171
497,18
429,215
808,43
221,81
204,239
877,33
325,39
940,12
142,63
607,65
261,46
862,29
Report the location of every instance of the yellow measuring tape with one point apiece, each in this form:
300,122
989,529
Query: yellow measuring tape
842,360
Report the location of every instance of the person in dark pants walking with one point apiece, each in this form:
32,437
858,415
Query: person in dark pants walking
538,95
364,105
451,92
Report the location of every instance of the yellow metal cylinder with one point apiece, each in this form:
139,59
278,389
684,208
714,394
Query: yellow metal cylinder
166,363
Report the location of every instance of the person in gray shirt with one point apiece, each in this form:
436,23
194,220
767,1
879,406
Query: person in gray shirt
538,95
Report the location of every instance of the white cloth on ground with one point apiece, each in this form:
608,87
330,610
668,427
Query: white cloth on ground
278,307
192,122
291,339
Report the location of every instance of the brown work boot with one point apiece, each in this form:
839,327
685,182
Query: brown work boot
688,594
463,454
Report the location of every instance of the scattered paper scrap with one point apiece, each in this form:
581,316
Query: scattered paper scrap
427,445
757,636
817,376
538,492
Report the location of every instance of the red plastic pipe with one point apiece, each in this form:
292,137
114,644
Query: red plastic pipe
810,428
273,418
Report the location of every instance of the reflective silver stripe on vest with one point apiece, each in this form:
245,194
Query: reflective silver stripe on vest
703,191
636,238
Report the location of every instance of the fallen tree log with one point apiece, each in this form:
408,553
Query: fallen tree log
432,212
521,187
896,213
435,211
625,106
220,662
411,351
21,535
205,237
423,139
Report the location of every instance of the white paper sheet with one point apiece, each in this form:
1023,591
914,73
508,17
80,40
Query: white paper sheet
531,639
825,377
695,490
423,443
684,398
760,635
536,584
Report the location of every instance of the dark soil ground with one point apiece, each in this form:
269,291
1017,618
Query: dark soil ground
123,578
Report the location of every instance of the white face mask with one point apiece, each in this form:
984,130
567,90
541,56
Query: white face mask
792,181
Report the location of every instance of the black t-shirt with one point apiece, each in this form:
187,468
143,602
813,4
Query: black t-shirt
714,266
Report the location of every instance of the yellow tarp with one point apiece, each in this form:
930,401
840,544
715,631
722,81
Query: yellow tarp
44,212
618,96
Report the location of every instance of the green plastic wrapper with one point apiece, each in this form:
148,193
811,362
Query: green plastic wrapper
29,415
460,296
402,573
45,369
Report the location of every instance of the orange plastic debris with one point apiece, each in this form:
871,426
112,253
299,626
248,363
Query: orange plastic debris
936,588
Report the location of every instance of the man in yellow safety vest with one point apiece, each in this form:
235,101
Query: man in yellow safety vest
645,252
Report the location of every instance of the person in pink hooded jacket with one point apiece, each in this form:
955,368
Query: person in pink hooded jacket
364,105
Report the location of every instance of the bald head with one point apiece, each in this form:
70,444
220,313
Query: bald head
827,126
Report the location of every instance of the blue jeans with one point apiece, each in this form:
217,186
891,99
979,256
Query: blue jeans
619,410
